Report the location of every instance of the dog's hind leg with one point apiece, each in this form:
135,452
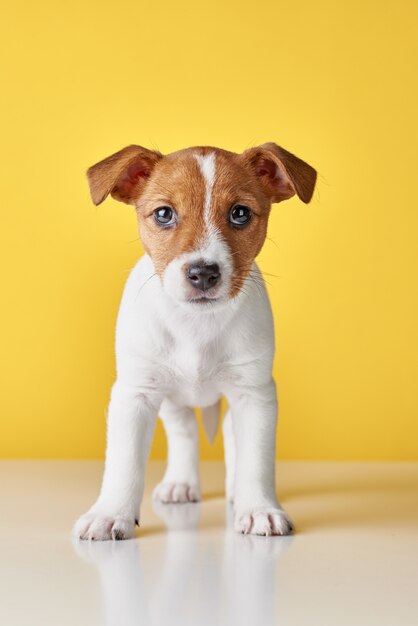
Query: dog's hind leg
230,455
181,479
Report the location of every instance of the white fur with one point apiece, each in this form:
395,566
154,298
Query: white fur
173,354
171,357
207,167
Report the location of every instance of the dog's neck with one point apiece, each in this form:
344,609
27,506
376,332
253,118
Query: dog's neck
182,319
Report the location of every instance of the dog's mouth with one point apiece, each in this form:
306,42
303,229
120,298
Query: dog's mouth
203,300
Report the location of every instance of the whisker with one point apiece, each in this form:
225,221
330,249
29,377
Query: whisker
255,281
258,286
261,280
272,241
142,286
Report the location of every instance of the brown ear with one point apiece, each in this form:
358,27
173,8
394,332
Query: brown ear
281,173
123,174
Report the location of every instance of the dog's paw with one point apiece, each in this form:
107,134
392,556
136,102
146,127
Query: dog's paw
264,521
173,493
100,527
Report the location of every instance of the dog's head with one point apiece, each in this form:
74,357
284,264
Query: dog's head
202,211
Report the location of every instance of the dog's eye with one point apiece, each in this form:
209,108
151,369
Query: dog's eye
165,216
239,215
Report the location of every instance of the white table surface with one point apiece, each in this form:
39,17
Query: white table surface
353,559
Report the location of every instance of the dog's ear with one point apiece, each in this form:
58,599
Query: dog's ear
123,174
281,173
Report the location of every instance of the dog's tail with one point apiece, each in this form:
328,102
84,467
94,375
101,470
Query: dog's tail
210,419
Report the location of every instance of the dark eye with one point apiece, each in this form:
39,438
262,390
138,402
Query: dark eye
239,215
165,216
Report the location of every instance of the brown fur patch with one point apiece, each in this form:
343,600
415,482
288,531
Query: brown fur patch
236,184
123,174
255,178
281,173
176,182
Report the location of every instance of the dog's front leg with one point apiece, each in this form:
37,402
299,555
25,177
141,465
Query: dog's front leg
131,423
254,416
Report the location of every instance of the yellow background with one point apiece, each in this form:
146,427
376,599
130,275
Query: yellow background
333,82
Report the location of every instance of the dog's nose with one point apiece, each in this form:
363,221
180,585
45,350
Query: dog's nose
203,276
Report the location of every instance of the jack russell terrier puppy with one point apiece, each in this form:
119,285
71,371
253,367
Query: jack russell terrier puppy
195,324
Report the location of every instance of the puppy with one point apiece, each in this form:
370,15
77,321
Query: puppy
195,324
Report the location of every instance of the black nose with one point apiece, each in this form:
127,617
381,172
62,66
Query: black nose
203,276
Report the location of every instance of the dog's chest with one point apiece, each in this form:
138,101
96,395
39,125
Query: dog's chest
198,372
